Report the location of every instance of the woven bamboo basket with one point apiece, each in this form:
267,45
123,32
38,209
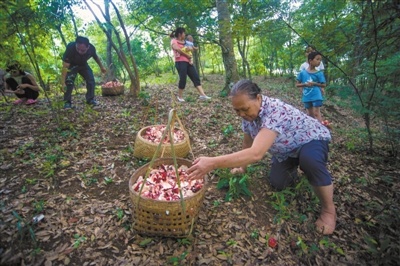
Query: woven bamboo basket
113,91
164,218
146,149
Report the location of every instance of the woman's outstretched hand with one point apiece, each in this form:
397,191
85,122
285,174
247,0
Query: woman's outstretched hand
201,166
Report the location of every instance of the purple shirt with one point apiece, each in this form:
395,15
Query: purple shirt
294,127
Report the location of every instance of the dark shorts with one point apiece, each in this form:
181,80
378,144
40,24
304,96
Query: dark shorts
308,105
312,160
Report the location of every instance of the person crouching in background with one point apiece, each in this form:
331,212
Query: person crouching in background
21,83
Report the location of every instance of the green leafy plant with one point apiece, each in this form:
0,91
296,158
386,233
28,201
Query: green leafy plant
178,260
212,143
280,203
31,181
108,180
36,251
303,246
327,243
95,169
285,202
184,241
255,233
228,130
120,213
190,99
68,133
78,240
126,113
227,256
38,206
144,97
23,148
24,226
231,242
129,149
143,161
216,203
87,180
237,184
51,157
145,242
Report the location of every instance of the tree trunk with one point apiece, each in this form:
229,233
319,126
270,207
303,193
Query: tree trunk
110,66
171,62
200,64
228,55
58,27
73,20
131,66
243,50
133,75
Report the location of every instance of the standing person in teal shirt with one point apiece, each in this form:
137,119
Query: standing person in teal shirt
312,82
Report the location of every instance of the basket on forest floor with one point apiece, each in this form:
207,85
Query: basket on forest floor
112,91
164,218
146,149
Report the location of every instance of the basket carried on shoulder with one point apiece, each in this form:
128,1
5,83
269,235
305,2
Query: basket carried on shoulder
164,218
146,149
112,91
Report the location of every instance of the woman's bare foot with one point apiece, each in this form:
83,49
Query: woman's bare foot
326,222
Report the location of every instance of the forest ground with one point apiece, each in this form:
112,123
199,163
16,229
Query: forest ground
74,166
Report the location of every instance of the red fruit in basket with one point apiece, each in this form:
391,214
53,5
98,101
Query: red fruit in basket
112,84
155,133
157,179
161,184
197,187
171,182
137,187
272,242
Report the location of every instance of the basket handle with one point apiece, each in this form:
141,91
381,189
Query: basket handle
171,117
174,116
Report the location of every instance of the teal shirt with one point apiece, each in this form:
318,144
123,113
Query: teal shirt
311,94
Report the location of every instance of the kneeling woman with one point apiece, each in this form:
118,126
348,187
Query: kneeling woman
21,83
292,137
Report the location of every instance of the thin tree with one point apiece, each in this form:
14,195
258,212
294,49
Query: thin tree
226,43
110,66
133,72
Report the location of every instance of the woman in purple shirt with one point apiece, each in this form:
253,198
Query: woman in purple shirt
290,136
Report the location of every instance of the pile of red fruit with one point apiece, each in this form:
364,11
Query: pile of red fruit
162,184
112,84
155,133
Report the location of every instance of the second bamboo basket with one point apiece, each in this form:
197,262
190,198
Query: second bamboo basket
146,149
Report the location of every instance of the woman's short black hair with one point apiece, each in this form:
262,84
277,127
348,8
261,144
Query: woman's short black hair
247,87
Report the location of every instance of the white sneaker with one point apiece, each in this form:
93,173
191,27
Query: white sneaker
180,99
204,97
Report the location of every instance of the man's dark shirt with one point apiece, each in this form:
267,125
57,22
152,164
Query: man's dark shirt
72,56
